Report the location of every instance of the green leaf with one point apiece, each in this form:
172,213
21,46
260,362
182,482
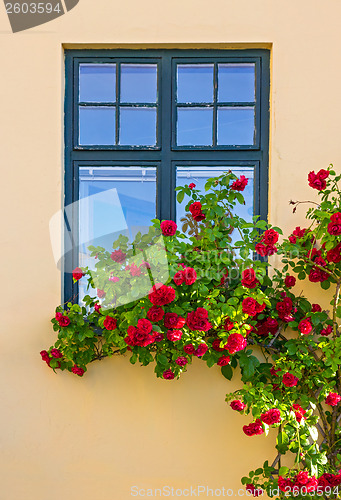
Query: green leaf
283,470
180,196
325,285
227,371
162,359
248,365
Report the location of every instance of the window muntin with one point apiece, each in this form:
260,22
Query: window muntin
245,99
117,104
200,174
113,201
215,104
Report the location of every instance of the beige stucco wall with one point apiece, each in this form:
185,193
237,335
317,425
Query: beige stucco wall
93,438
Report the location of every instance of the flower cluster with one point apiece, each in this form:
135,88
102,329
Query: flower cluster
214,302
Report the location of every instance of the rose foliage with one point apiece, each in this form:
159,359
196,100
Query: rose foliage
225,300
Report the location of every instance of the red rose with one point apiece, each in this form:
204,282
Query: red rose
299,412
292,239
45,356
298,232
189,349
333,399
252,307
316,275
274,371
271,417
64,321
216,345
181,361
236,342
144,326
196,211
168,375
261,329
254,429
200,350
118,256
190,275
305,326
159,336
139,336
155,313
223,360
253,490
323,174
334,255
316,308
161,295
265,250
228,324
77,370
195,208
289,281
77,274
174,335
173,320
303,480
237,405
284,309
197,320
317,181
270,237
192,185
168,227
336,218
110,323
55,353
284,484
326,331
100,293
334,228
239,184
97,307
179,278
272,324
134,270
249,279
289,380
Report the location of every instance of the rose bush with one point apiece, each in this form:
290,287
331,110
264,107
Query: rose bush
222,301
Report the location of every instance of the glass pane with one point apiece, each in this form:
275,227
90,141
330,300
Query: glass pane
195,83
97,125
236,82
97,82
138,126
199,176
113,201
138,83
236,126
195,127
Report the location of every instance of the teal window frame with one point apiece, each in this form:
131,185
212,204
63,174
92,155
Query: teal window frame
166,154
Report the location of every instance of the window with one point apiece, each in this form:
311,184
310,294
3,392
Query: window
140,123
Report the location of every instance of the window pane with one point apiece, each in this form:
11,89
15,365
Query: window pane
138,83
199,175
236,82
195,83
138,126
113,201
195,127
97,125
97,82
236,126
